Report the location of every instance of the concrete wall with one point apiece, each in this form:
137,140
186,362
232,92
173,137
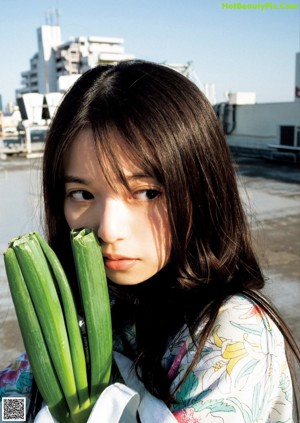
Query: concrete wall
297,78
258,125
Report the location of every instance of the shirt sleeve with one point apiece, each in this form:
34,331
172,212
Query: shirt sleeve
242,374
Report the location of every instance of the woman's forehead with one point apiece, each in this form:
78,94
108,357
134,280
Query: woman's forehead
87,152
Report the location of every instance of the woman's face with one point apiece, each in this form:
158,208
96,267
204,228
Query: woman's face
132,226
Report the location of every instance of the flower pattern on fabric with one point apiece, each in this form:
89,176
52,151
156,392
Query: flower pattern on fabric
16,379
242,374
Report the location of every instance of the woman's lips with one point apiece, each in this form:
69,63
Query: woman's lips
119,263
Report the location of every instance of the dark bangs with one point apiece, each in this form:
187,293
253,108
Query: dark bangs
146,118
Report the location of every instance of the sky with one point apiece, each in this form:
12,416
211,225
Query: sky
237,50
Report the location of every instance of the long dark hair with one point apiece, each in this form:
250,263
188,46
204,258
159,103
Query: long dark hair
171,130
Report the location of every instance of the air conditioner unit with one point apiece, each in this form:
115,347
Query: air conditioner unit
289,135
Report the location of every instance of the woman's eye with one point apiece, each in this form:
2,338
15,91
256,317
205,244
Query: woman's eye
81,195
146,194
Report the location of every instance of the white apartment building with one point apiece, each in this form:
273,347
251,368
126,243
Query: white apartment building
56,65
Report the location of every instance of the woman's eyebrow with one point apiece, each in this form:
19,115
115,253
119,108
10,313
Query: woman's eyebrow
85,181
75,179
137,176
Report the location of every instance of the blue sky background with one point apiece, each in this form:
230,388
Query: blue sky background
237,50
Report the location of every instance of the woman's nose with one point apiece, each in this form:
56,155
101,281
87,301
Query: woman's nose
113,222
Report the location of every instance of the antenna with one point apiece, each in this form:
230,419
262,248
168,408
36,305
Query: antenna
52,17
57,14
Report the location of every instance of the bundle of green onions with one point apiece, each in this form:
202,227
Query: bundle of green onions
69,376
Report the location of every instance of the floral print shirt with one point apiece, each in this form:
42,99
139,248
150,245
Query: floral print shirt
241,376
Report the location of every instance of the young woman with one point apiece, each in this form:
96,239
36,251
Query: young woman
135,152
